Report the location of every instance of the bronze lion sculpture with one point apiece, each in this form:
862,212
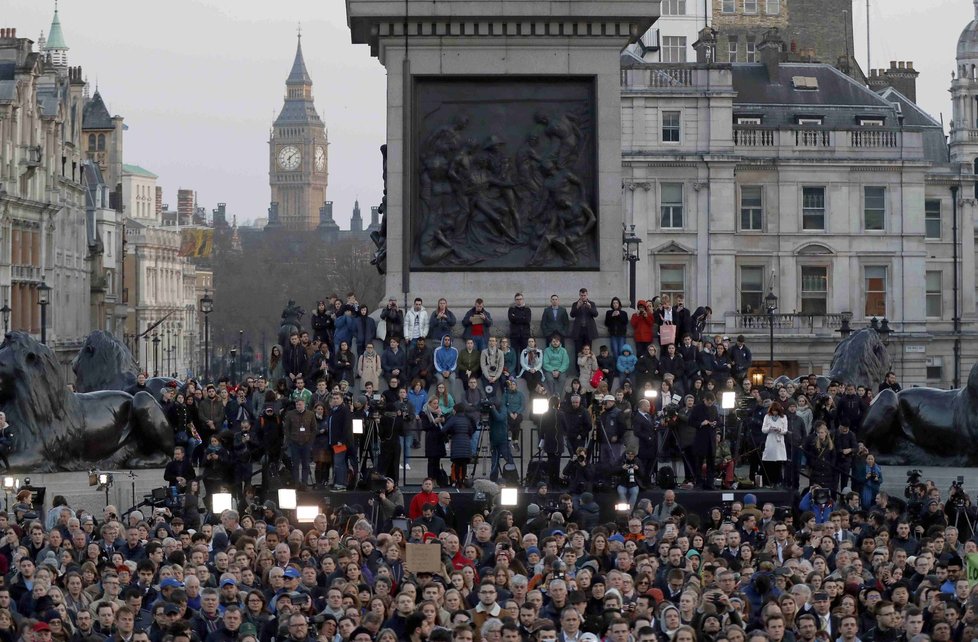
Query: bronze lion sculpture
56,429
860,359
925,425
103,363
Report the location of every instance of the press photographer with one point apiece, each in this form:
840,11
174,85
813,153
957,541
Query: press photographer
631,476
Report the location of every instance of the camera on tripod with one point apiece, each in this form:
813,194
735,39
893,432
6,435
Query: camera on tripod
913,478
485,407
375,403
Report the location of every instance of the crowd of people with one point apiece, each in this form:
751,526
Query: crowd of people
615,415
845,562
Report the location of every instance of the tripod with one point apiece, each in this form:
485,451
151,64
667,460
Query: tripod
482,447
370,427
670,432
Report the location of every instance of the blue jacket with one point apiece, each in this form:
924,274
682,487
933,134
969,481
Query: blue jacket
459,429
417,400
821,512
446,359
343,331
626,362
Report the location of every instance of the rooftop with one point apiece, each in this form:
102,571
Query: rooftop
136,170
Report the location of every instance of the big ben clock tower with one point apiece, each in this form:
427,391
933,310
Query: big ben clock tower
298,155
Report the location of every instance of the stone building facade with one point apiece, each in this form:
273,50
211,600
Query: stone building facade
43,236
748,178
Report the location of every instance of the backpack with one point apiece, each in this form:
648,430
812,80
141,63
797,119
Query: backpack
665,478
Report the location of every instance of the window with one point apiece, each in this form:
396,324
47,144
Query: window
750,6
751,208
751,50
809,120
673,48
935,368
874,208
870,122
670,126
935,298
672,205
748,120
728,6
772,7
932,219
814,289
101,142
813,208
91,142
672,280
732,48
673,7
875,277
751,289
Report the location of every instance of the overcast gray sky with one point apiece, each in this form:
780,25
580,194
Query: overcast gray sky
200,81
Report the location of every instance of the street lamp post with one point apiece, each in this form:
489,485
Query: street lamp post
772,304
145,352
206,307
5,310
156,354
629,245
169,354
43,292
844,328
234,365
241,344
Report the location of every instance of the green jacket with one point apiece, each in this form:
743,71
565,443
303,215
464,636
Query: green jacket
469,361
555,359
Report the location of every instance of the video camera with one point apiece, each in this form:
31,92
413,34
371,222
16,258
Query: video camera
375,403
821,496
485,407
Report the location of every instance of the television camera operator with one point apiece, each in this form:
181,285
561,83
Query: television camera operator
576,476
960,511
915,492
388,500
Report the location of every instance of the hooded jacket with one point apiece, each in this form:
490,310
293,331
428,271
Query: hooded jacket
627,360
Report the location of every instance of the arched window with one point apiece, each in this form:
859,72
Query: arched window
91,142
101,142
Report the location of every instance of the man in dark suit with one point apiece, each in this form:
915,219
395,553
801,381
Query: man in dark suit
444,510
554,320
644,429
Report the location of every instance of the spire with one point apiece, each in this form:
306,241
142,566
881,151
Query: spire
56,39
299,75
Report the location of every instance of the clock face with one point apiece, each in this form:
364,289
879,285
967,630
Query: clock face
289,157
320,159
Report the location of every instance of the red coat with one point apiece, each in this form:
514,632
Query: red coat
643,327
422,498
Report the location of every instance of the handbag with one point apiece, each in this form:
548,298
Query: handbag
667,334
596,378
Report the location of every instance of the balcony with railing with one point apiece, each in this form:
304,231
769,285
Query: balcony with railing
800,141
793,323
667,77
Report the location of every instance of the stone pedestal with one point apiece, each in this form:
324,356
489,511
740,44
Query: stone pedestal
522,69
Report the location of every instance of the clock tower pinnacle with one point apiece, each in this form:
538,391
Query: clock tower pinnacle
298,153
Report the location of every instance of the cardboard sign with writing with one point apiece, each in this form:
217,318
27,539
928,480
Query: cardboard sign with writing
423,558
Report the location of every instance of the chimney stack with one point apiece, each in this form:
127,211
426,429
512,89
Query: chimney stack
770,50
903,77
